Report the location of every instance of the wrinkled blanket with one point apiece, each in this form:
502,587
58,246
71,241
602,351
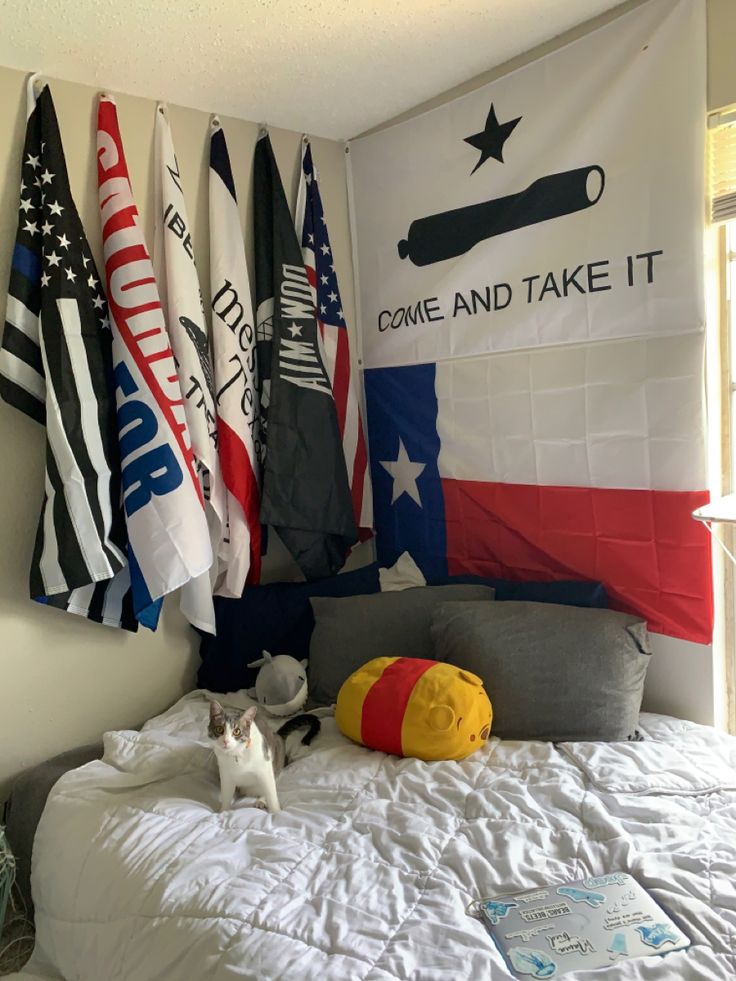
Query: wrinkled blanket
366,873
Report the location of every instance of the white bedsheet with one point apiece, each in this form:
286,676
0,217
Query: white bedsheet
366,873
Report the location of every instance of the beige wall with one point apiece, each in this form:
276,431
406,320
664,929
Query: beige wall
721,16
64,681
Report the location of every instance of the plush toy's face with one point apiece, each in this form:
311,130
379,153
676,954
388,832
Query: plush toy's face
448,715
414,707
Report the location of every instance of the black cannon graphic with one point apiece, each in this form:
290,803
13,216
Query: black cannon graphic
453,233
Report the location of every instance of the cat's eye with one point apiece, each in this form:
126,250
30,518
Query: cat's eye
236,731
219,730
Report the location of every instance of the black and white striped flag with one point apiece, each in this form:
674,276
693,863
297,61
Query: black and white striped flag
56,367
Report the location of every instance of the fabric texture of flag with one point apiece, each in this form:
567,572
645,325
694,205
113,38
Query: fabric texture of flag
306,493
236,377
311,227
181,300
507,466
169,541
56,367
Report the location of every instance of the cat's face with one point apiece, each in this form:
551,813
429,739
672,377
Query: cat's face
230,731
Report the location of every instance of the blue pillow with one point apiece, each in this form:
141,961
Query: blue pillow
276,617
564,592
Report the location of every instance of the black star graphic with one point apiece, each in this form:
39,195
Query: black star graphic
490,140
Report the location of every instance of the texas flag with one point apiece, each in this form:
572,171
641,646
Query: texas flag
550,464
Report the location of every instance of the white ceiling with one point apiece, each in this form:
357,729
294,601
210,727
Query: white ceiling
328,67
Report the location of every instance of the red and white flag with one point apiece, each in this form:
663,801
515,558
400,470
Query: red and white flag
311,228
164,507
236,388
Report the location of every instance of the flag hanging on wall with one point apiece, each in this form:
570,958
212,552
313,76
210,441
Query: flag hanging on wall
306,493
169,541
236,376
181,300
532,314
56,367
311,227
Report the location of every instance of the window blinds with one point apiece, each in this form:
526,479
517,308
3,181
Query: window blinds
722,153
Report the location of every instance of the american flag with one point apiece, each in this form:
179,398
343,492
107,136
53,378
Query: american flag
56,367
317,253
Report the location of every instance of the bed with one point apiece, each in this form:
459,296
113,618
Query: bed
366,873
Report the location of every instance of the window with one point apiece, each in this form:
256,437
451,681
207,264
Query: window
721,248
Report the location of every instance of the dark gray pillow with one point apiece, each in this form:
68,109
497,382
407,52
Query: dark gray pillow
552,672
350,631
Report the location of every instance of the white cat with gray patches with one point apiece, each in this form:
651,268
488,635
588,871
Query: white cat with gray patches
250,755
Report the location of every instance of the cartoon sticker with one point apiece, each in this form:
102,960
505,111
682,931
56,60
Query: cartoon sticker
657,935
618,946
593,899
563,943
533,962
495,910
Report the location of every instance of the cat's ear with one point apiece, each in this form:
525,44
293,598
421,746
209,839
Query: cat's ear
216,710
247,717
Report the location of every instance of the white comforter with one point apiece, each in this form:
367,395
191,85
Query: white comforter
367,871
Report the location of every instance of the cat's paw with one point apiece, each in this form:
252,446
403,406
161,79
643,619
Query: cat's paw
261,804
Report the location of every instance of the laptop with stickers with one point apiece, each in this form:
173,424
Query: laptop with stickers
581,925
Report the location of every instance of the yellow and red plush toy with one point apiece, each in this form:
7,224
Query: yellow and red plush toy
414,707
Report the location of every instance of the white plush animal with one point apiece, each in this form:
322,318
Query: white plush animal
281,685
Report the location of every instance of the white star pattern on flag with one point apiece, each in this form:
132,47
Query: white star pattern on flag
325,250
26,205
64,242
98,303
311,238
33,162
322,309
53,259
324,279
295,330
405,473
46,228
70,274
45,279
92,282
55,208
46,177
332,297
85,260
31,227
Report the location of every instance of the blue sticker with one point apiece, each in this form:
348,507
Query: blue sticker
533,962
618,947
496,910
611,879
657,935
594,899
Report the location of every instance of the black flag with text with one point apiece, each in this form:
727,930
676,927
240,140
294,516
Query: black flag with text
306,494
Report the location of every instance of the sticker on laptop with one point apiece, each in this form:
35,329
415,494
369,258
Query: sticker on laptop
535,963
618,946
565,943
497,910
657,935
593,899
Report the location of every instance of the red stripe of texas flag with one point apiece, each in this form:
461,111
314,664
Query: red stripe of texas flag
384,706
643,545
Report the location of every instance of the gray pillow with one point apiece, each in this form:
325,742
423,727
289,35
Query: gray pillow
552,672
352,630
